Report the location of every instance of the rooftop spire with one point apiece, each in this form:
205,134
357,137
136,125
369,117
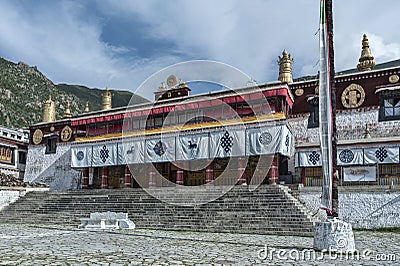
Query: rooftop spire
106,100
366,59
67,112
285,67
86,108
49,110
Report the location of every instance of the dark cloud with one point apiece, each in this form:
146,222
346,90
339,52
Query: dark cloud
120,43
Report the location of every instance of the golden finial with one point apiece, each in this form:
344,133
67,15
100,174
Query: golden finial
182,84
67,113
162,87
366,132
49,110
285,67
366,61
106,101
86,108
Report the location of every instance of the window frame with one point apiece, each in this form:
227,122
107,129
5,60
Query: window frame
386,95
313,119
49,145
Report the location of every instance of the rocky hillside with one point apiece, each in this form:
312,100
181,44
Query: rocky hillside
23,89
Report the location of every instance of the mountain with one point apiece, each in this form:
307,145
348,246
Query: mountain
93,96
23,89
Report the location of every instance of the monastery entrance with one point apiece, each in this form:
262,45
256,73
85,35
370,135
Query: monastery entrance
255,170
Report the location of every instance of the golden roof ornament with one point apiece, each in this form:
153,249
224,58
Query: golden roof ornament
285,67
67,112
162,87
182,84
171,81
366,61
49,110
86,108
106,100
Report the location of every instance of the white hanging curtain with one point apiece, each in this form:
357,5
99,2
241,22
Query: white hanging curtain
81,156
227,143
105,154
192,146
131,151
160,149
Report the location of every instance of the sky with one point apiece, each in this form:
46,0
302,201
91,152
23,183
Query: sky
120,44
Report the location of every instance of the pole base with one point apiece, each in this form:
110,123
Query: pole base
334,235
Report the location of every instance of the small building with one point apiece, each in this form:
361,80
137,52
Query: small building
13,151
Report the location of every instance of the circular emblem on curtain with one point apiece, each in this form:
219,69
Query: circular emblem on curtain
265,138
346,156
80,155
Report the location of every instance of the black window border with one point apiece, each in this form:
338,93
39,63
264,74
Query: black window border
48,143
313,119
384,96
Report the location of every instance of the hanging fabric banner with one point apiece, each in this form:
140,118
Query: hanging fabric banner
308,158
131,151
286,146
160,149
350,156
105,154
380,155
81,156
265,140
192,146
359,174
227,143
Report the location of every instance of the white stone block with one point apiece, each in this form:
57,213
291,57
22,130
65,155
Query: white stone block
334,235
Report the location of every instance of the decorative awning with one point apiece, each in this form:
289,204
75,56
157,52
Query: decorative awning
368,155
390,88
222,143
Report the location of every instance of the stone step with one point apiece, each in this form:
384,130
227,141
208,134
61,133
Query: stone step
268,209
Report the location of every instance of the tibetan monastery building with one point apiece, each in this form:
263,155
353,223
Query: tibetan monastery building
178,139
251,135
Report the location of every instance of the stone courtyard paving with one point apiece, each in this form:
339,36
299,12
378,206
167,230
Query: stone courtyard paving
50,245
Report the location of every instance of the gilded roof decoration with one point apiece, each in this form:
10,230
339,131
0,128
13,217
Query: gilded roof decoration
353,96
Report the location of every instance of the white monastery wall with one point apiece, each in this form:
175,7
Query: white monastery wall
362,209
52,169
350,125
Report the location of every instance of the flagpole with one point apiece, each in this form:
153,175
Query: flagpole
333,234
335,177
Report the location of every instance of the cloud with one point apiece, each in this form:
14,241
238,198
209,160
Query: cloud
381,50
65,44
72,41
354,18
249,36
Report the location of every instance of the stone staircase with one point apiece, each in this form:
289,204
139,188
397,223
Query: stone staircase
268,209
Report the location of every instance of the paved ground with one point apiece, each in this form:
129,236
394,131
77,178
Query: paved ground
41,245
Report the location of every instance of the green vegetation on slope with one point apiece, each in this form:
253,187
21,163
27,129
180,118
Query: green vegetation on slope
23,89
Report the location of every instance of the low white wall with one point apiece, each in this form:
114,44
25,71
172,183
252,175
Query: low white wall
362,209
7,197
